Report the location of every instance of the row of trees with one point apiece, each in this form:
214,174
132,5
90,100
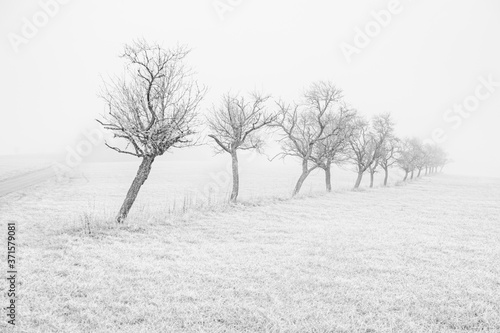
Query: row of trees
155,107
320,131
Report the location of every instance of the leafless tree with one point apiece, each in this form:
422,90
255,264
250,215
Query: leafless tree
437,158
423,157
305,125
408,155
388,156
372,169
334,148
367,142
152,108
235,125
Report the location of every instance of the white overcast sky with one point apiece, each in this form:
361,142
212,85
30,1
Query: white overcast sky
427,59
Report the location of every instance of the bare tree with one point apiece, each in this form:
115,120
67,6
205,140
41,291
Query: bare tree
367,142
152,108
423,156
304,125
437,158
333,149
388,156
372,169
443,159
408,155
234,125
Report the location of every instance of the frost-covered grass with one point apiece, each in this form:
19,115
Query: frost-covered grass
420,257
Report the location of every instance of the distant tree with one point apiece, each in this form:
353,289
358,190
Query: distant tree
388,156
437,158
372,169
152,108
303,125
423,157
334,148
408,155
418,155
235,125
443,159
367,142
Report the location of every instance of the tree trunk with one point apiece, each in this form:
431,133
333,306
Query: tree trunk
406,176
412,171
236,177
302,178
140,178
386,177
371,178
328,178
358,180
419,172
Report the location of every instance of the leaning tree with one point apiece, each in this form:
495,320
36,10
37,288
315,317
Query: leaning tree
235,125
303,125
153,107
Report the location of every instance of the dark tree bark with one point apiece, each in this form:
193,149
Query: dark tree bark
153,107
386,177
372,173
328,178
236,176
412,171
419,172
140,178
298,186
406,176
305,172
358,180
234,125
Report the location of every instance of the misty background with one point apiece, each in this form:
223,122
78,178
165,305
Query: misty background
429,58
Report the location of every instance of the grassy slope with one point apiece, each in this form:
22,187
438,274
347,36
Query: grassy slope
417,258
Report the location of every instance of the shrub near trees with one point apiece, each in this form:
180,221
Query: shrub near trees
155,106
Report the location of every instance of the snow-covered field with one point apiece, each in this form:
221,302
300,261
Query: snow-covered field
415,257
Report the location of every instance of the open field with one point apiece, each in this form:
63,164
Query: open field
175,185
15,165
420,257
